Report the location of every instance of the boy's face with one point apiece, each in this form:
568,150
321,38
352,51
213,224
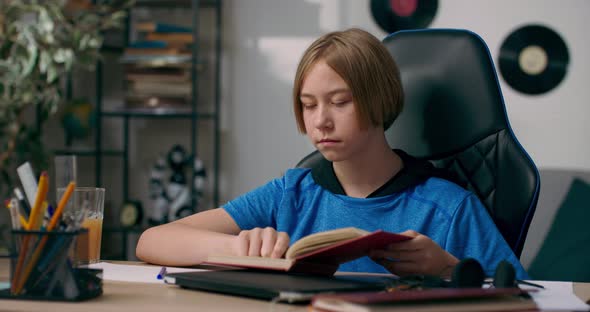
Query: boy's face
330,116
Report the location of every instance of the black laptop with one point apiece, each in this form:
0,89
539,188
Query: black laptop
275,286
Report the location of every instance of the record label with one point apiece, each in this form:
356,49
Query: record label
403,8
533,59
394,15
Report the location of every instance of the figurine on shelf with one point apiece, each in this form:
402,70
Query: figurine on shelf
171,200
159,198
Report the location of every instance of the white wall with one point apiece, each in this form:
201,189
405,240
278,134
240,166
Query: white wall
265,39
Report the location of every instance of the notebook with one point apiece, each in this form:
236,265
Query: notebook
273,285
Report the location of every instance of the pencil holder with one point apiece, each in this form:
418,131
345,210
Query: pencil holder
41,268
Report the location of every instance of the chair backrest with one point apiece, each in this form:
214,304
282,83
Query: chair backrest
454,116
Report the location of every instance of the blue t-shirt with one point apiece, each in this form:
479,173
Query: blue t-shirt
451,216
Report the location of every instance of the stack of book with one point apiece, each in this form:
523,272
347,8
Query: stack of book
157,67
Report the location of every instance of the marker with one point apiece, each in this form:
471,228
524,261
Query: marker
26,208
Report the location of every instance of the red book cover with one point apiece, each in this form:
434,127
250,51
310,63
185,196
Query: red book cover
426,300
322,260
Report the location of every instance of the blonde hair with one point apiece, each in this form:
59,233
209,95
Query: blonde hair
368,69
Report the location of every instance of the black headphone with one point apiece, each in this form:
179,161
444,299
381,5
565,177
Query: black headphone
468,273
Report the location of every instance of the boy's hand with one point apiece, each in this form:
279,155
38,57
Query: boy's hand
261,242
419,255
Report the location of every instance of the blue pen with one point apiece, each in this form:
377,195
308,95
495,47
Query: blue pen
50,210
162,273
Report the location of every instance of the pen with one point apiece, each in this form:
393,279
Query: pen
530,284
162,273
50,211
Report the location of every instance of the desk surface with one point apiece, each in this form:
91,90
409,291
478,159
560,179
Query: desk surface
123,296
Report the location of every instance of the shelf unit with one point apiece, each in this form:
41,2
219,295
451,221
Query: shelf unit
127,115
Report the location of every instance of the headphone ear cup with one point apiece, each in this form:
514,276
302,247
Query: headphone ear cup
468,273
505,275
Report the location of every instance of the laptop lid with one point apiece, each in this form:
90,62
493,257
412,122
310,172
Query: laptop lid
273,285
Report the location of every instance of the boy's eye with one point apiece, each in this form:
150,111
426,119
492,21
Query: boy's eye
308,105
340,101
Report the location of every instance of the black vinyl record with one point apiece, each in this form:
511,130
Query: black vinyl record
394,15
533,59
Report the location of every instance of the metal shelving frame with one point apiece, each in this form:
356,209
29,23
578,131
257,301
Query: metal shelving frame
128,114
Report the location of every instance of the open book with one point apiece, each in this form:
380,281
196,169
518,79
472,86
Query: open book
318,253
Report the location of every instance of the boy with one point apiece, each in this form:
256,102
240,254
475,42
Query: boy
347,92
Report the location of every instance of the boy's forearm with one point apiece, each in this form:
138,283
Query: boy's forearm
178,244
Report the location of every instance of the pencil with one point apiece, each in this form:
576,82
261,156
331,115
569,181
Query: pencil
55,218
36,216
32,224
23,222
14,215
60,207
37,253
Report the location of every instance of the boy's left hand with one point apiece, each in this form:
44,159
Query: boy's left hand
419,255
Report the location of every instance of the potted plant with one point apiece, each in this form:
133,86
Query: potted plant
41,42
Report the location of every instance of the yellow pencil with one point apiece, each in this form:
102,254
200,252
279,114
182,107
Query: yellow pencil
60,207
32,224
34,219
23,222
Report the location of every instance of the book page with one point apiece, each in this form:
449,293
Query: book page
250,261
143,273
322,239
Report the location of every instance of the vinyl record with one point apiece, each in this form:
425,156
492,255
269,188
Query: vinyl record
394,15
533,59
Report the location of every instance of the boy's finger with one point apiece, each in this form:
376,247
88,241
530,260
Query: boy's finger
269,238
281,245
243,244
255,244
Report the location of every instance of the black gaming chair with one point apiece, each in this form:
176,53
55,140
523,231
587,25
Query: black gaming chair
454,116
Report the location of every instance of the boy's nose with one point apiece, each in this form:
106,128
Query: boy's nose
323,118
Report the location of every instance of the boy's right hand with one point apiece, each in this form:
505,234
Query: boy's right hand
261,242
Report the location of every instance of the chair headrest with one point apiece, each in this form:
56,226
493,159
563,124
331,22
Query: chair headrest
450,84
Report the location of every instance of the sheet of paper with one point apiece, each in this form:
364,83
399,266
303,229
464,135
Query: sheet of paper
143,273
4,285
557,296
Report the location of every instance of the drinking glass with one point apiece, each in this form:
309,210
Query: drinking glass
85,209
